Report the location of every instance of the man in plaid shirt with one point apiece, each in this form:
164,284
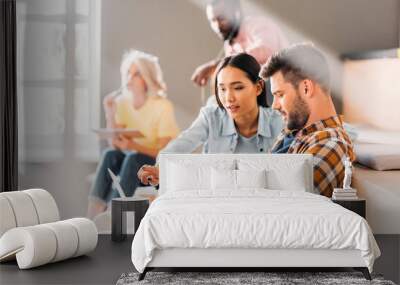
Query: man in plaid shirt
300,85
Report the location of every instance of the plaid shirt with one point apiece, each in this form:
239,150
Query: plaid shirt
329,143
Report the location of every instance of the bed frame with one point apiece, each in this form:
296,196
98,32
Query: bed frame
261,259
244,259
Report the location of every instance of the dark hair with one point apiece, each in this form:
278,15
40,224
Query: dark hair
250,67
299,62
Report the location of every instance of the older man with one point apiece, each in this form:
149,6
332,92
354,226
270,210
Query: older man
300,79
255,35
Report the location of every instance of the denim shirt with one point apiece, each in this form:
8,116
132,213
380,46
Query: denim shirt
216,131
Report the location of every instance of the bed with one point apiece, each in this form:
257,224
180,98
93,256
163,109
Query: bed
247,211
376,176
381,189
377,179
371,103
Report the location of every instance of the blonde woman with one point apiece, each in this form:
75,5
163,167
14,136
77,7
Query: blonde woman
140,104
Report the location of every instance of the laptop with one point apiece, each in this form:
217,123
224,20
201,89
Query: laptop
116,183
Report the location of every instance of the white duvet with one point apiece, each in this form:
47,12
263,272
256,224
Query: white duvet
253,218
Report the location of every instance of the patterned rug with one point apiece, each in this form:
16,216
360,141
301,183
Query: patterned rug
269,278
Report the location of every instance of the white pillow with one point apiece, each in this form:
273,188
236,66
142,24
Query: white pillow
184,177
378,156
185,174
291,179
283,172
251,178
222,179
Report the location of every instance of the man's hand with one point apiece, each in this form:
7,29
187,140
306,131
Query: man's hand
149,174
203,73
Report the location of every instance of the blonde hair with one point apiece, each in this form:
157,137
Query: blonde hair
149,69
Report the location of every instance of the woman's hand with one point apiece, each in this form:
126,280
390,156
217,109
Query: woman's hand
123,143
149,174
110,105
111,140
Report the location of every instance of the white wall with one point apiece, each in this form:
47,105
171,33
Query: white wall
342,25
178,32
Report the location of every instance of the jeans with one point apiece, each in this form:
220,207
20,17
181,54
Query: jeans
126,165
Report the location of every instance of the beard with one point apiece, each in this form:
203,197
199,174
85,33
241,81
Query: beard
226,34
298,117
230,32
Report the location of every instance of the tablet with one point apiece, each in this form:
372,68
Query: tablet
110,133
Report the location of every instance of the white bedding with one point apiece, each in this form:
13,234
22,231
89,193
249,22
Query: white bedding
251,218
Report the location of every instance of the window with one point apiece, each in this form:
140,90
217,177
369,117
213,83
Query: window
58,64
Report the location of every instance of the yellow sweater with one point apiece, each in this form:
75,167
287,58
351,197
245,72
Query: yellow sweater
155,119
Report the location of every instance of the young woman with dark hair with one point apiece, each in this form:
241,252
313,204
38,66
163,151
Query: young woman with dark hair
240,123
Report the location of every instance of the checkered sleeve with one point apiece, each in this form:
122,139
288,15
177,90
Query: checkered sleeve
328,165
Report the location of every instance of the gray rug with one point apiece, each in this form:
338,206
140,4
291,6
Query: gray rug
270,278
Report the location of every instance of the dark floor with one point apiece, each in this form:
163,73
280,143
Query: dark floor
103,266
110,260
